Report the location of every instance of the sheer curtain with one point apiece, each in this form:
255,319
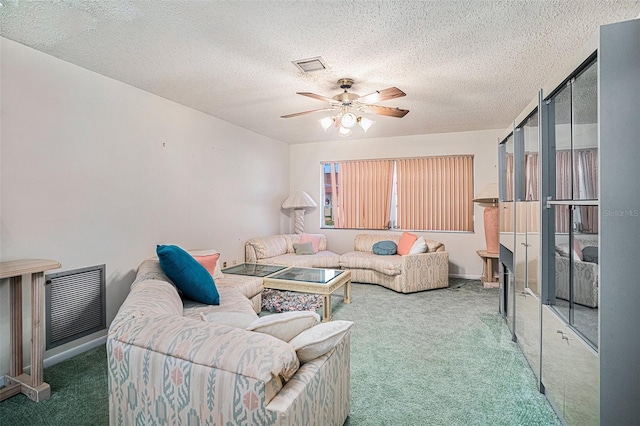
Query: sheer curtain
364,194
435,193
577,179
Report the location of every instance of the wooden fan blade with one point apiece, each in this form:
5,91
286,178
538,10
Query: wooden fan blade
390,112
297,114
318,97
382,95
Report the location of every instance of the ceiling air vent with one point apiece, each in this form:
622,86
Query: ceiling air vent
311,64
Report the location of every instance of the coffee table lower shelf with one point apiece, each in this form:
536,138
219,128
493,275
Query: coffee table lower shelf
323,289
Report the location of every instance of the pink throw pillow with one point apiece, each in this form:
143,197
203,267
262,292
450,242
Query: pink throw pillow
577,250
209,262
310,238
406,242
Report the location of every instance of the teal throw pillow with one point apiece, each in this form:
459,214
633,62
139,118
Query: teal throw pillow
188,275
385,248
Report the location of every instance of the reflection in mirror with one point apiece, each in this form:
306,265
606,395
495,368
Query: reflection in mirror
531,149
576,274
562,120
509,178
562,262
584,101
585,286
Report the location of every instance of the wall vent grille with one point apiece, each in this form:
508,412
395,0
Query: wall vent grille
75,304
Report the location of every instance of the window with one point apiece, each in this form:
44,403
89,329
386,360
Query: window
426,193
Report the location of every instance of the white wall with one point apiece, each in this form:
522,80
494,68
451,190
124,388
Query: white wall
95,171
306,176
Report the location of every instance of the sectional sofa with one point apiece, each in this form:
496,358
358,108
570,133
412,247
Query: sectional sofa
405,274
170,362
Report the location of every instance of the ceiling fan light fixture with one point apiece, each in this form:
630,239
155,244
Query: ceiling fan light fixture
365,123
343,131
326,122
348,120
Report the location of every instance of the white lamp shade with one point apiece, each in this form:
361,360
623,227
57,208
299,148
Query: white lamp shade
348,120
344,132
365,123
298,200
326,122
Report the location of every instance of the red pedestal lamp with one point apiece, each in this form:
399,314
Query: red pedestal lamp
488,198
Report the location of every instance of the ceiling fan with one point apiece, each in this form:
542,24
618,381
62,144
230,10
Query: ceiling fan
348,106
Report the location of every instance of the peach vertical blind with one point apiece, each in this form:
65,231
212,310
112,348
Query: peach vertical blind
435,193
364,194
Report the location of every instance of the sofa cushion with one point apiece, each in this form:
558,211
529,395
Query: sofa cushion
286,325
365,242
233,319
266,247
406,242
187,274
322,259
389,265
318,340
247,285
385,247
231,300
433,246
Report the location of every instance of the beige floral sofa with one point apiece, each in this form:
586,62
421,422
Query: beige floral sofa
404,274
167,365
279,250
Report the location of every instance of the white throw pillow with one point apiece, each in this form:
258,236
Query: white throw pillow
286,325
234,319
420,246
318,340
217,273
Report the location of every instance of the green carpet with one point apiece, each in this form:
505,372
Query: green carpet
442,357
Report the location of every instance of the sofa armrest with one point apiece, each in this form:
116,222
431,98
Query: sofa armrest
426,270
255,355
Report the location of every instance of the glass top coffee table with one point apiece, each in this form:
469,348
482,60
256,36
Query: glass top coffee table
253,269
312,280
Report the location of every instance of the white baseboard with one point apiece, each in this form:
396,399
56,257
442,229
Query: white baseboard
63,356
466,277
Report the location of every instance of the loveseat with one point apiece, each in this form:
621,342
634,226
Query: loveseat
169,363
405,274
279,250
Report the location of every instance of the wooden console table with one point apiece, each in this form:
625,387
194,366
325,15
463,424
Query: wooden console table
17,381
488,281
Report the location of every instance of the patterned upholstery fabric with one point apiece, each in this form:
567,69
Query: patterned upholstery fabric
234,301
585,276
248,286
322,259
416,272
388,264
271,246
168,366
365,242
282,253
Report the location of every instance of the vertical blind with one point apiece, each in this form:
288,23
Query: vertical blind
364,197
435,193
426,193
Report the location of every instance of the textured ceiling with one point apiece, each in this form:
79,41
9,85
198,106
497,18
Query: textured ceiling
464,65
